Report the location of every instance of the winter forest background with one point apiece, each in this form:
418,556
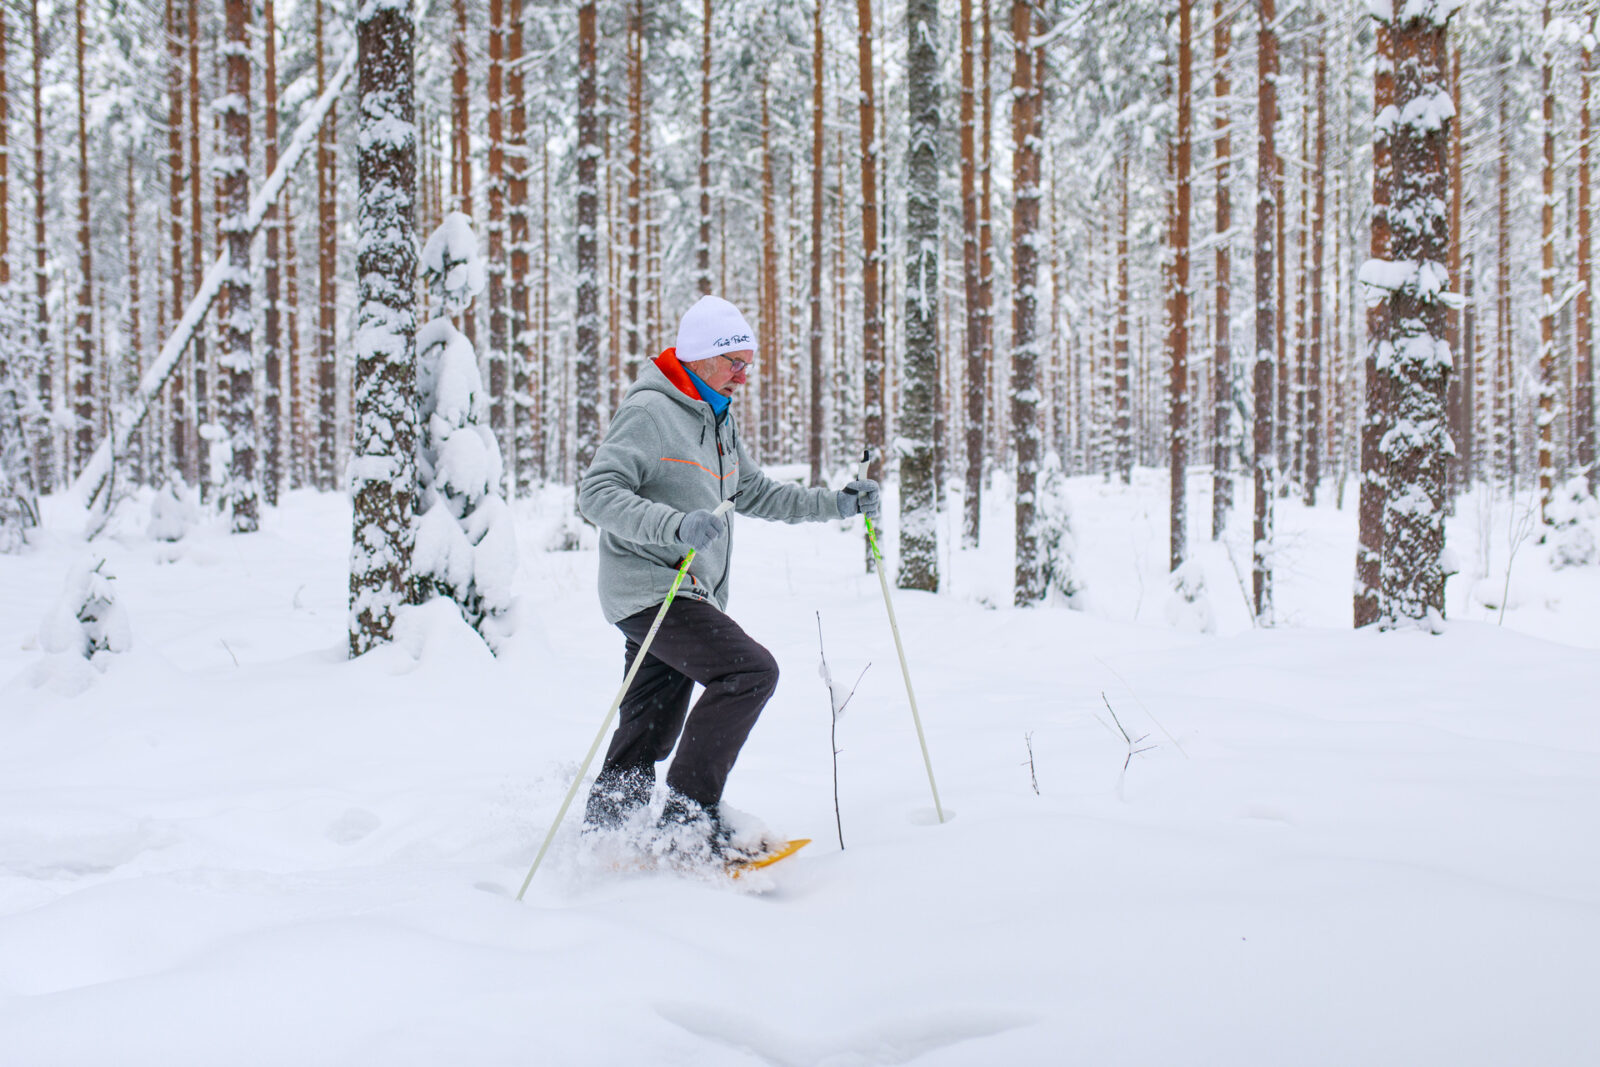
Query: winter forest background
1320,250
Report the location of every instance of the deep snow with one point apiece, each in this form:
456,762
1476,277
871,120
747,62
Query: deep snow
235,846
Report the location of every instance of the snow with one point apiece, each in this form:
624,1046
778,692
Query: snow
237,846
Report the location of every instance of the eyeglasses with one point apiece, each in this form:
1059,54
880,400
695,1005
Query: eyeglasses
738,364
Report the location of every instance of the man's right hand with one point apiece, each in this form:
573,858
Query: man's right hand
700,529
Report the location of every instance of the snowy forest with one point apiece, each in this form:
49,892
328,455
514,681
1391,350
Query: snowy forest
1327,250
1217,684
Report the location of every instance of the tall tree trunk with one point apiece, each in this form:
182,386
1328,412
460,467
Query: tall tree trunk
816,441
385,386
975,370
1504,432
197,259
84,373
1375,418
45,472
586,384
1266,257
1418,361
1583,395
327,285
1123,390
1178,343
524,388
702,248
181,426
871,298
18,507
1547,279
298,449
461,137
1459,414
636,119
919,541
1222,354
498,355
271,351
135,354
770,335
1026,125
1319,208
235,359
991,422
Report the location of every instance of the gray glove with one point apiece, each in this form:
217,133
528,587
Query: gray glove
700,529
859,497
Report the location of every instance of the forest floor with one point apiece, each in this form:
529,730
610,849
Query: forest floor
234,845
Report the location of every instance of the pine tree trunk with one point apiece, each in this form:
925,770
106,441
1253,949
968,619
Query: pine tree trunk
1547,280
1504,433
1319,207
271,350
1416,360
384,480
975,370
702,249
1026,124
631,325
84,372
135,354
178,391
327,285
1266,257
498,355
770,333
201,475
1583,395
235,358
872,360
46,476
919,543
461,138
1178,343
1459,414
525,388
816,438
1375,418
1123,387
586,384
298,447
1222,354
992,443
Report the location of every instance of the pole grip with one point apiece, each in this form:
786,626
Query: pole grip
866,462
723,508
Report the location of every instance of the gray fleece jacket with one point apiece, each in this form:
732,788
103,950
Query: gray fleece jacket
663,456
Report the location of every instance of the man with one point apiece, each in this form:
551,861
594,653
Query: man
670,456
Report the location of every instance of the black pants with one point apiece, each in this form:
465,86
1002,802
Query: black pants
696,643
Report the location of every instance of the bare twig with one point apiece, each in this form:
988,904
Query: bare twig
1132,752
1032,774
837,707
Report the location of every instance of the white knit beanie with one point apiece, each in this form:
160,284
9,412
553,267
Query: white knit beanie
713,327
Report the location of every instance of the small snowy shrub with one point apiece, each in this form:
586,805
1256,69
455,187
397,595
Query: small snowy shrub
1189,608
171,514
466,547
87,620
1057,544
1574,519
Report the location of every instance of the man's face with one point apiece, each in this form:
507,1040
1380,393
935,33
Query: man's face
719,373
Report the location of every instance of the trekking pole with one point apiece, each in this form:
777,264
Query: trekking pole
605,727
883,580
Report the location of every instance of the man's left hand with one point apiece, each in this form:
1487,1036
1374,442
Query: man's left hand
859,497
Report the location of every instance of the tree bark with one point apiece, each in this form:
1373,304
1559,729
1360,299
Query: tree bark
84,372
1222,354
1375,418
1178,342
1122,434
975,370
1319,206
525,386
46,475
1266,257
702,250
498,355
1583,395
197,258
1547,279
871,297
816,439
384,474
919,555
327,284
1415,358
461,137
1025,131
235,358
586,383
181,427
271,351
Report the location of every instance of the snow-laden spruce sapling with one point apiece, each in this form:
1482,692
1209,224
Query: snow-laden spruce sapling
466,547
87,620
838,698
1057,543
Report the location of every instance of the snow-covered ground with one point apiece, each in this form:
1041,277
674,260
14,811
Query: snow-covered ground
235,846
